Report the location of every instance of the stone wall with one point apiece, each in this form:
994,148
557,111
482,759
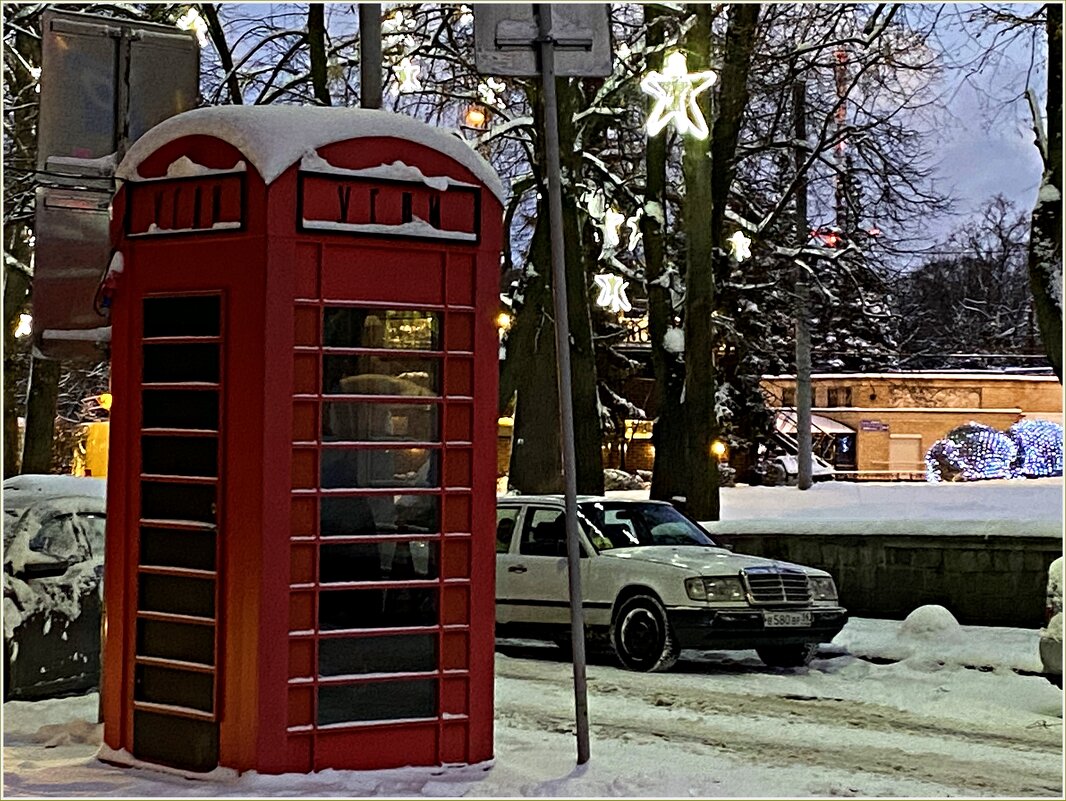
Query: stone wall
984,581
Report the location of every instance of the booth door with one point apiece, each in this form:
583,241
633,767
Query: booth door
381,531
175,714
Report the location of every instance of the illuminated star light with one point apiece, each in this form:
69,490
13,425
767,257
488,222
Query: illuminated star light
675,91
740,246
407,73
613,293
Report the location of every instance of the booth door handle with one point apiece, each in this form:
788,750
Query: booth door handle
516,569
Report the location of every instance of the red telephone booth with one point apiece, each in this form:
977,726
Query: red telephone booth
300,554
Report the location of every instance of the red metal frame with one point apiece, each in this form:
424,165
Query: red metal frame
276,279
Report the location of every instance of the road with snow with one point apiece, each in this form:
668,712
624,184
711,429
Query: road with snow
730,714
883,711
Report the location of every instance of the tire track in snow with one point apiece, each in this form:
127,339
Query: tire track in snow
852,736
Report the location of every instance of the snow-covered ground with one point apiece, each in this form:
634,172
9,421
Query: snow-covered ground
719,724
917,708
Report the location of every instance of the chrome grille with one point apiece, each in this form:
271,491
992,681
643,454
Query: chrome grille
778,587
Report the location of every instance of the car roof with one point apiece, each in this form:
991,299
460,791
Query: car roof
557,500
20,491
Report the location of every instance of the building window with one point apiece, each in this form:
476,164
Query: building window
788,396
839,396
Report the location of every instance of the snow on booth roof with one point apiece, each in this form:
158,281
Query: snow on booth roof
273,138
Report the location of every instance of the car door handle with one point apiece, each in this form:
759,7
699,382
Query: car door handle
517,569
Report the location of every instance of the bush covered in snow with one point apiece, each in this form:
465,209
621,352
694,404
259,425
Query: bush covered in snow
971,452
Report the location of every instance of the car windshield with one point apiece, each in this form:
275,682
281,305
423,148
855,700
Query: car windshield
633,525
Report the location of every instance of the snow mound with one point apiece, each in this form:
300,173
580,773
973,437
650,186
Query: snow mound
930,622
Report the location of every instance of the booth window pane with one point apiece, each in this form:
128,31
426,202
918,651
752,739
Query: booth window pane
173,364
180,408
161,501
179,456
397,653
380,375
377,609
346,327
358,421
388,514
185,642
192,316
177,595
370,469
377,700
162,685
379,561
168,547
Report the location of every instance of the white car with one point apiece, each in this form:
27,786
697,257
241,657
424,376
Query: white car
653,582
1051,634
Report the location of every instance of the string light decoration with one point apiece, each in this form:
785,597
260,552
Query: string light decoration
1039,444
971,452
407,73
612,293
739,246
675,91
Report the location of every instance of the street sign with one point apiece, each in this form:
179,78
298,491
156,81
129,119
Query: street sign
104,83
506,36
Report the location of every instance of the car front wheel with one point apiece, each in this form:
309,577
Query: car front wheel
787,655
641,635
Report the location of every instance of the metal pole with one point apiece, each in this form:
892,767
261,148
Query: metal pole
804,477
370,55
562,353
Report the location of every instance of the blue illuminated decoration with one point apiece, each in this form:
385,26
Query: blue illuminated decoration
1039,444
972,452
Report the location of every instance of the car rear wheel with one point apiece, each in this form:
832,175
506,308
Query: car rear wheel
641,635
787,655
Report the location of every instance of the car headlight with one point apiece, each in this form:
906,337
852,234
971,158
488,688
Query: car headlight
822,588
725,588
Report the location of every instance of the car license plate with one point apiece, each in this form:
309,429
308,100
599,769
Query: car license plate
786,619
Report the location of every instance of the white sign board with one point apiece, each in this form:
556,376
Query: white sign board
505,38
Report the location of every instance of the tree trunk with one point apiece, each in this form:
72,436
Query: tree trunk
40,416
588,430
668,432
16,291
530,367
1045,238
700,380
225,57
316,44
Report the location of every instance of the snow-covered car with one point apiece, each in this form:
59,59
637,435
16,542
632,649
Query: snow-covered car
653,583
53,567
1051,634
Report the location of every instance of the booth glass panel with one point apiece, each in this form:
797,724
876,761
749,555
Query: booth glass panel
182,642
180,408
380,468
379,514
377,700
181,363
380,375
163,685
395,653
192,316
409,560
346,327
378,609
362,421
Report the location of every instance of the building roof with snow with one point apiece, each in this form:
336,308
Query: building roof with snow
273,138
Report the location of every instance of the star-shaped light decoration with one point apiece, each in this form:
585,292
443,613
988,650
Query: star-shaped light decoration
675,91
739,246
407,72
612,293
